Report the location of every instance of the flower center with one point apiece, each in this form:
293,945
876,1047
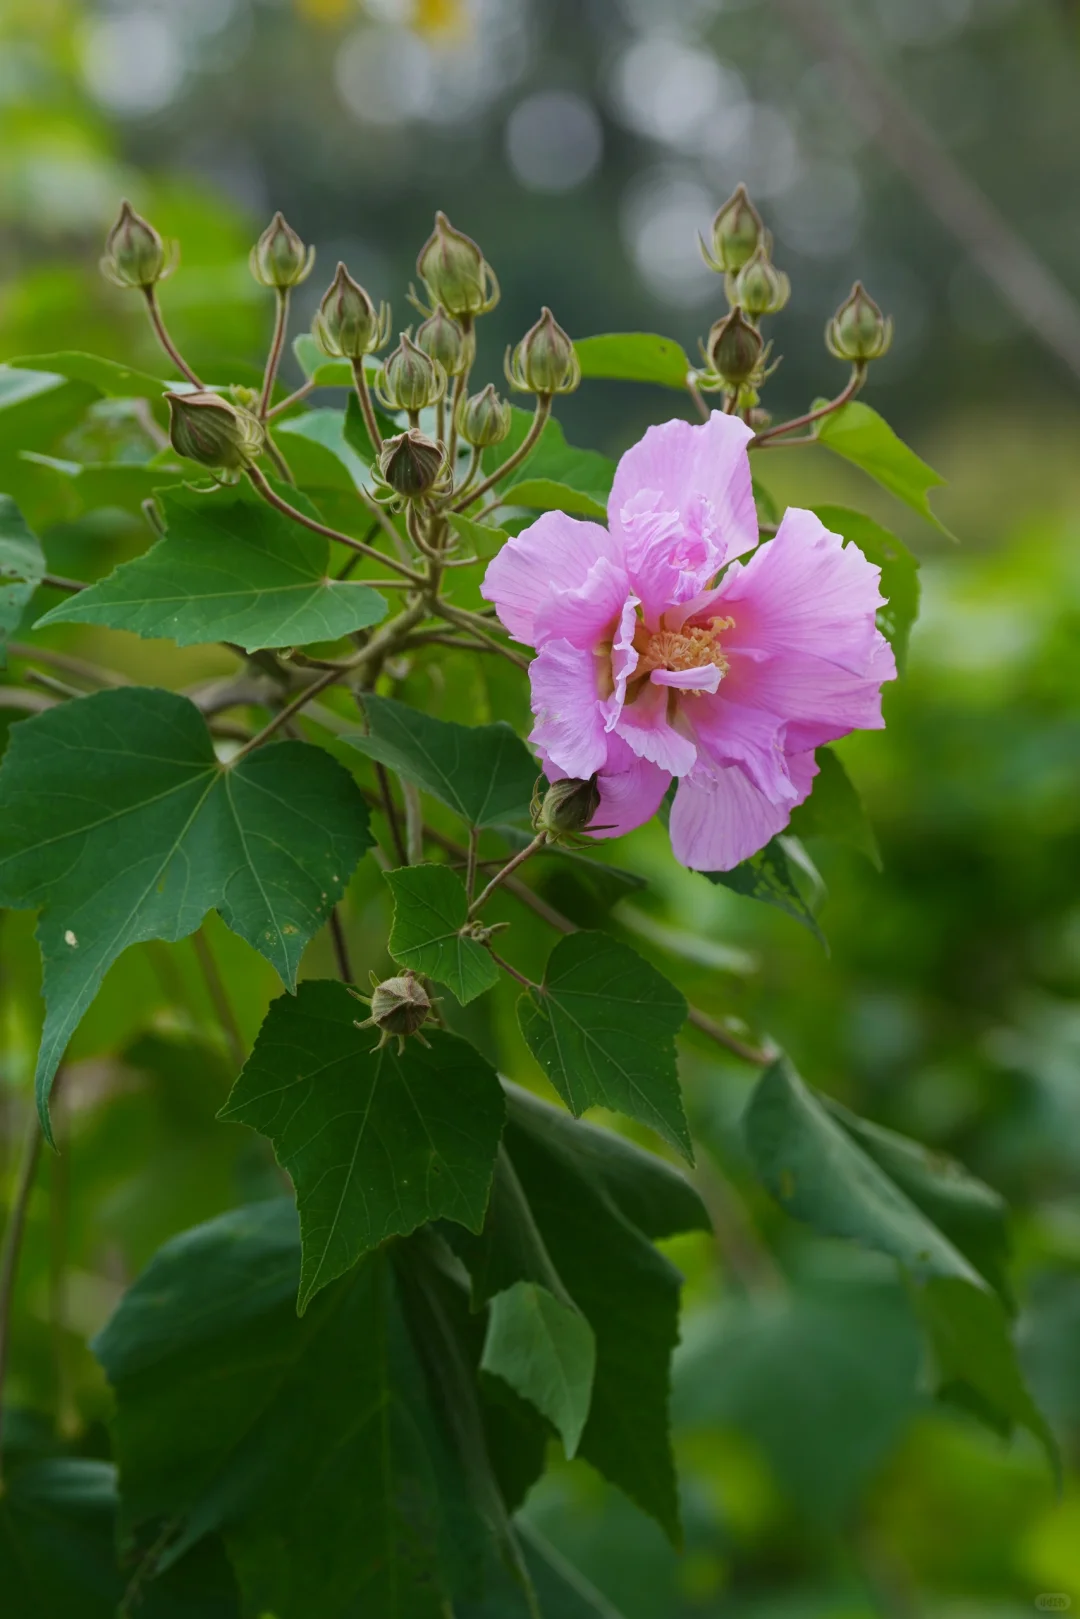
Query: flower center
690,648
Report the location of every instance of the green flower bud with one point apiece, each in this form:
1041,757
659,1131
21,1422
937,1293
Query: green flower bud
455,272
279,258
399,1007
135,255
736,232
544,362
735,348
412,464
484,419
206,428
759,288
409,379
347,325
442,339
568,806
859,331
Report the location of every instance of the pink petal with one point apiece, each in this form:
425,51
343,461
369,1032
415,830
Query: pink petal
705,679
553,554
644,726
685,489
820,701
588,615
730,733
624,659
720,819
631,791
804,591
569,718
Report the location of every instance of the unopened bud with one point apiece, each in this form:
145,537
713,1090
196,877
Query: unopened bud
442,339
399,1007
735,348
759,288
736,232
484,419
568,806
410,379
134,252
412,464
544,362
279,258
455,272
859,331
347,324
206,428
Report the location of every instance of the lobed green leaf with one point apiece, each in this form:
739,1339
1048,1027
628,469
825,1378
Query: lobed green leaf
430,910
861,436
634,357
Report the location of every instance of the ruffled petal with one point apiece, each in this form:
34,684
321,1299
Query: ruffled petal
645,728
553,554
820,701
804,591
719,819
686,491
588,615
569,718
729,733
705,679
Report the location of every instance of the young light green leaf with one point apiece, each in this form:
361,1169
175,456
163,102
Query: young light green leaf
821,1174
899,573
18,384
224,1400
482,772
478,539
317,367
767,876
376,1142
308,438
430,910
634,357
602,1026
21,567
228,569
545,495
118,821
863,437
551,461
835,810
546,1351
113,380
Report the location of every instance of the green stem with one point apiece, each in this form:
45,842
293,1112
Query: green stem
855,382
12,1247
536,427
341,946
293,399
219,997
366,407
511,866
277,343
275,500
157,321
414,823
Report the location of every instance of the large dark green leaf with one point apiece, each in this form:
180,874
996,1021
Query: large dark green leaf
602,1026
634,357
21,567
899,573
767,876
118,821
835,810
821,1173
430,910
482,772
376,1143
863,437
544,1348
228,569
308,1443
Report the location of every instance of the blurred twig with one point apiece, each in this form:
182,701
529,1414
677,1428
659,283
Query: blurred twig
1042,302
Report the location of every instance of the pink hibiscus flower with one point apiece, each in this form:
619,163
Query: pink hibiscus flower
659,656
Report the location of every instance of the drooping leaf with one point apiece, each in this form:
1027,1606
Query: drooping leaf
821,1174
552,461
546,1351
767,876
899,573
477,539
628,1293
21,567
18,383
118,821
225,1402
228,569
376,1142
835,810
430,910
863,437
482,772
634,357
602,1026
109,378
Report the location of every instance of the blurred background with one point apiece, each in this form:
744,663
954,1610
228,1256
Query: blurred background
929,147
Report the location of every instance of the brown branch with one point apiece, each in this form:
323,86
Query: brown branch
854,383
157,321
